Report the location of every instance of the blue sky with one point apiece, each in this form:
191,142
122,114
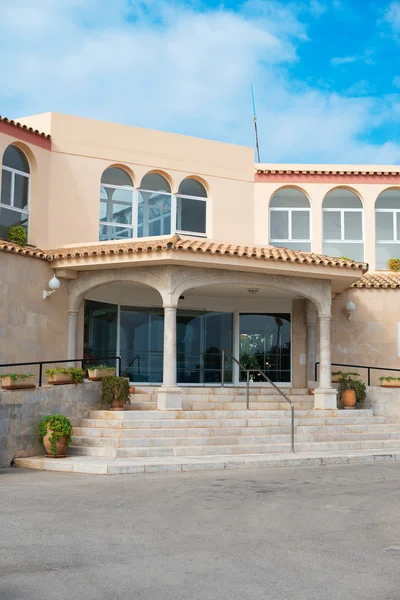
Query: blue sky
326,72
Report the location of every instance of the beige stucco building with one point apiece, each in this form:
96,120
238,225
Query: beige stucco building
169,249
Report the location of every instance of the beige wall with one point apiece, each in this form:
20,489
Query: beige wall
83,148
39,163
370,337
31,328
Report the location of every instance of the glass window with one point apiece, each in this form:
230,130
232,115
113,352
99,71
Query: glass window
153,182
342,214
191,207
14,190
387,227
154,206
116,205
100,332
290,220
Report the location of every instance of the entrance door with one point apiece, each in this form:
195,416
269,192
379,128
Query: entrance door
265,341
100,331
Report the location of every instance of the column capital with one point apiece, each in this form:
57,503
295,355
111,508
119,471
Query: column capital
73,312
170,306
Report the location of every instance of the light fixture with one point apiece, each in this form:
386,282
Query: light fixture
54,284
350,307
253,291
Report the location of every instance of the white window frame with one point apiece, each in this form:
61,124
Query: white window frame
342,239
162,218
290,239
183,231
395,232
120,226
11,206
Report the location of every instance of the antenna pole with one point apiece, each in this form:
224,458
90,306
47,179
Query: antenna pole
255,123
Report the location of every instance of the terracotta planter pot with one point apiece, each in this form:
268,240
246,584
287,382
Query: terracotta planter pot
61,445
349,399
60,379
18,384
98,374
115,405
311,391
390,384
132,389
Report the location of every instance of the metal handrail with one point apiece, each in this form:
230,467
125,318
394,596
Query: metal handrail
68,360
357,367
267,379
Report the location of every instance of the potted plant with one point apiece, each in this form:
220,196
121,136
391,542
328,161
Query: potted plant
55,433
97,372
351,390
390,382
394,264
17,235
17,381
64,375
337,375
115,392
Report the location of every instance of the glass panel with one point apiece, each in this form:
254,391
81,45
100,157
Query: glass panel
341,198
155,183
302,246
265,344
398,225
201,336
300,225
353,226
14,158
384,226
191,187
115,176
6,177
389,199
331,226
21,184
384,252
337,249
119,213
191,215
100,332
289,198
154,214
111,232
142,343
8,218
279,224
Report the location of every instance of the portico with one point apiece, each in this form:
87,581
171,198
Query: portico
176,275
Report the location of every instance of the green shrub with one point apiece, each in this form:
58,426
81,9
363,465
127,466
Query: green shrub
17,234
15,376
345,258
101,367
389,378
347,383
60,426
115,388
345,374
78,375
394,264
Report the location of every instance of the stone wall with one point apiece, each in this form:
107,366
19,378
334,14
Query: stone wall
31,328
299,367
22,410
385,402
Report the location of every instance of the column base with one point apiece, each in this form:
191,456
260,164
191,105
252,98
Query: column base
169,398
325,399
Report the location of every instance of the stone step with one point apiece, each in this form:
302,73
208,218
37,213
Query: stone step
230,449
224,414
143,405
242,391
300,430
238,405
135,466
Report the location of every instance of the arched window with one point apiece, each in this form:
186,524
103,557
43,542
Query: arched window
289,220
191,207
14,199
387,227
154,206
116,201
342,214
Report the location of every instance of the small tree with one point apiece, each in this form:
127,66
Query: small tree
17,234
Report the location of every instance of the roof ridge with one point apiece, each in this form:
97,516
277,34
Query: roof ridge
47,136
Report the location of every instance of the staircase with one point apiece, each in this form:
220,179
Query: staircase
214,431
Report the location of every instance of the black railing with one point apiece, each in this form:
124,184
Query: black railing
82,361
369,369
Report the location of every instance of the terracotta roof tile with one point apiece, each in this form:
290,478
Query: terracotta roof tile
380,280
280,171
23,250
25,127
177,242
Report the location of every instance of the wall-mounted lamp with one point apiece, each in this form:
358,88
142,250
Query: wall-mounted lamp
54,284
350,307
253,291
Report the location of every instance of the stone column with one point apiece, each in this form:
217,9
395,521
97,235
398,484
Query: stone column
72,334
169,395
325,395
311,342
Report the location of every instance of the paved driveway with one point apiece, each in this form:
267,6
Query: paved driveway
278,534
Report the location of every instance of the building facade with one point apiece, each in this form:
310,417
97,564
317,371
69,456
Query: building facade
170,249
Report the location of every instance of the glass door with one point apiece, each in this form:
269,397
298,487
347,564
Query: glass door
265,344
100,331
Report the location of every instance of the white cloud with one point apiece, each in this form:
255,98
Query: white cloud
392,16
343,60
182,68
